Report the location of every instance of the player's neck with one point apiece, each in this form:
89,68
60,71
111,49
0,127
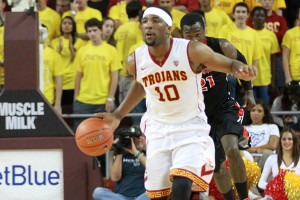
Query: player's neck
161,50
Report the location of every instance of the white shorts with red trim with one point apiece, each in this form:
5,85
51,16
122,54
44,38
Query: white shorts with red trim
184,149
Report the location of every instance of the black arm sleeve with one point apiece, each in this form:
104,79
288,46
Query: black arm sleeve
247,85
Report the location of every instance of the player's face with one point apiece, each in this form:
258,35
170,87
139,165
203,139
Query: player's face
240,15
259,18
155,30
257,113
267,4
94,34
287,141
195,32
108,28
67,25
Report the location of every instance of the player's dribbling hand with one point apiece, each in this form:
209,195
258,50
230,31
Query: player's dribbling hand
242,71
110,118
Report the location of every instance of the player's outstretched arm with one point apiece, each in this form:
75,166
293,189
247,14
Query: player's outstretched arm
231,52
218,62
135,94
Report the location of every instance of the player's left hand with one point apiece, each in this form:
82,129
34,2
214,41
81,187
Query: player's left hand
249,100
242,71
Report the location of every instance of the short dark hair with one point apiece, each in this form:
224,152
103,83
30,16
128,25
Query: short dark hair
258,8
241,4
191,19
133,8
92,22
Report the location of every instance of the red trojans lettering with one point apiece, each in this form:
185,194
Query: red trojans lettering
163,76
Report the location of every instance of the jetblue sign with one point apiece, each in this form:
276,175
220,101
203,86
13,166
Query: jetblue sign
31,174
25,175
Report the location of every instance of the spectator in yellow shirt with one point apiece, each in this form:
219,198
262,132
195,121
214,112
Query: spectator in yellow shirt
215,18
53,75
50,18
67,45
97,65
81,13
291,54
225,5
245,39
267,63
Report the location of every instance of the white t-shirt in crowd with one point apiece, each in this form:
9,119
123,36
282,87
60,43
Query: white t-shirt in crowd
260,134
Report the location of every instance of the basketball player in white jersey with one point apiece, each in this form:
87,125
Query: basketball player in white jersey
180,152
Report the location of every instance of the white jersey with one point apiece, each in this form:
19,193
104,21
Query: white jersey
173,90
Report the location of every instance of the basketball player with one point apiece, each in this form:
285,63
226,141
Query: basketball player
167,70
224,113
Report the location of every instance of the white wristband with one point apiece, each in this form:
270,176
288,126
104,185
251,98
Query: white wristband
110,99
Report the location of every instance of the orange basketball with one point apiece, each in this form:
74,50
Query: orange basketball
94,137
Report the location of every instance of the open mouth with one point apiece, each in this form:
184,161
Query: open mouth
149,35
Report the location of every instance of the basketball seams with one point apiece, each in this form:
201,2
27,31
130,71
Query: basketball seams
96,144
103,129
94,137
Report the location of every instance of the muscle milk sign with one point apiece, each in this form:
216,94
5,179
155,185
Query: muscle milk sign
26,113
21,116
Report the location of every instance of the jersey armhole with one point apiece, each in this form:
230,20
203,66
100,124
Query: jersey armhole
187,52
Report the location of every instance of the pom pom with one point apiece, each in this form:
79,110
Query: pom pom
275,187
253,172
214,191
292,185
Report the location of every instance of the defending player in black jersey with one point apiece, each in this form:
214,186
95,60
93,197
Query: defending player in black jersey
224,113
